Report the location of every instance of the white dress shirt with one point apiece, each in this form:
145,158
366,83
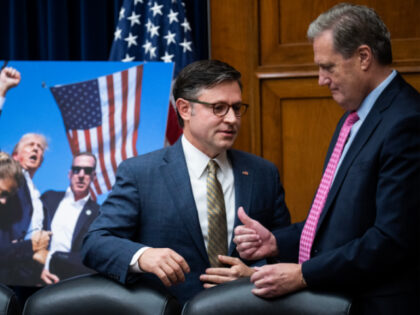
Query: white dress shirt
63,224
38,211
197,163
362,112
197,169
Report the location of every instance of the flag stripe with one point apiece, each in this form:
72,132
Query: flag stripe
130,109
111,112
139,76
88,144
124,89
72,144
101,158
99,182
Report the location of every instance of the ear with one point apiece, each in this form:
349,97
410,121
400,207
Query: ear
93,177
184,108
365,56
69,175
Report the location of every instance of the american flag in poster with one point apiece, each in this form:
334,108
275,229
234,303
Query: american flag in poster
102,116
156,30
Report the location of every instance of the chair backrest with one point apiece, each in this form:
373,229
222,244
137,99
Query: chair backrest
235,298
95,294
9,304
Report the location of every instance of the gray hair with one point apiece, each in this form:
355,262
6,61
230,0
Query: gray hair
352,26
201,75
27,136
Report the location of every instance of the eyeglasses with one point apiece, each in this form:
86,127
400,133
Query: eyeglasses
221,109
76,169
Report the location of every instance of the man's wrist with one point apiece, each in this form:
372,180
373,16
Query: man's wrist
3,92
134,263
273,245
302,278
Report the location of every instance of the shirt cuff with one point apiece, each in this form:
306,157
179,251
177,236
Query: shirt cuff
2,100
134,265
47,261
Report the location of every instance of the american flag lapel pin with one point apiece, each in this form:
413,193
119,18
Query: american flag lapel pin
245,173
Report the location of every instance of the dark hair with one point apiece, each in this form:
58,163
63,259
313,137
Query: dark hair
201,75
352,26
9,168
85,153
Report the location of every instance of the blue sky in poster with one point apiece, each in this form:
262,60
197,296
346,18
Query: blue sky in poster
30,107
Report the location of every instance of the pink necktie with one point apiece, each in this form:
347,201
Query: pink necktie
308,232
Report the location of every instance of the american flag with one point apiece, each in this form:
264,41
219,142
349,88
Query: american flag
102,116
156,30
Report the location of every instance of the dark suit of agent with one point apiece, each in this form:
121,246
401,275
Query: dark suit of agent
154,222
367,238
68,216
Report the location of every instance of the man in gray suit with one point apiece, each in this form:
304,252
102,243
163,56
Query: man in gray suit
156,221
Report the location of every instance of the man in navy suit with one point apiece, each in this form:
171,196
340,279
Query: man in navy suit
154,223
24,213
366,240
69,214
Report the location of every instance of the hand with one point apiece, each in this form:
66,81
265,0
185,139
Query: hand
9,77
215,276
278,279
165,263
40,240
48,277
41,256
253,241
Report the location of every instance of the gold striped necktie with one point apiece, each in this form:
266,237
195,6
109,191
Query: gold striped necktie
216,215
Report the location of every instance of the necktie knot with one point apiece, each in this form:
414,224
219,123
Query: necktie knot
351,119
212,167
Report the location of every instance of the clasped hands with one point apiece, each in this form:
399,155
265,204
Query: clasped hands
40,241
253,241
170,268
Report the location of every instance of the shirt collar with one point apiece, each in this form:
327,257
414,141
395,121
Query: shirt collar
26,175
197,161
370,100
69,195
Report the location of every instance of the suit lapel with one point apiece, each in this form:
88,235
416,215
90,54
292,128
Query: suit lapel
369,125
243,176
86,216
174,170
51,206
23,212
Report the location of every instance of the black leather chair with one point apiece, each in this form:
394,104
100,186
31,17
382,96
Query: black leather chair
9,304
95,294
236,298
